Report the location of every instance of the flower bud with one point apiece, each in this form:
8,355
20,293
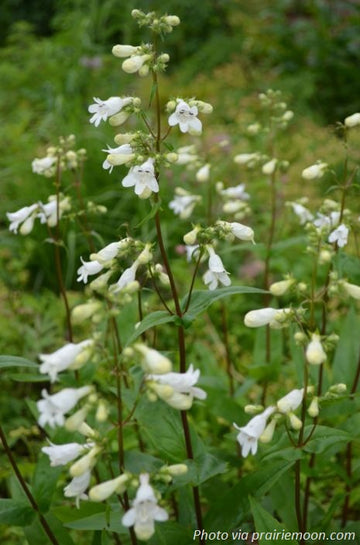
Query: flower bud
313,409
119,119
85,463
124,138
338,388
153,361
203,174
145,255
315,353
268,432
269,167
314,171
175,469
172,20
352,120
351,289
134,63
120,158
124,50
171,157
190,237
102,412
164,57
102,491
144,71
164,391
253,409
75,420
295,422
82,313
279,288
291,401
325,257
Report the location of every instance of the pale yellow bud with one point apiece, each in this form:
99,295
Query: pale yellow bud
102,412
102,491
295,422
119,119
315,353
325,257
144,71
145,255
82,313
279,288
351,289
253,409
269,167
172,157
124,50
120,158
313,409
74,421
153,361
85,463
190,237
268,433
124,138
172,20
164,391
175,469
338,388
352,120
203,174
134,63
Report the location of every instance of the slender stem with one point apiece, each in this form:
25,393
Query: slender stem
227,348
26,489
58,268
193,281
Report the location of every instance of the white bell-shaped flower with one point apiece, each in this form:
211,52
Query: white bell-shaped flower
102,109
181,387
216,273
104,490
315,353
60,455
251,433
339,235
76,488
62,359
25,217
52,408
142,178
291,401
186,117
144,511
87,269
153,361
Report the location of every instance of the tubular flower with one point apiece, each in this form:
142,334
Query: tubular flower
102,109
52,408
76,488
352,120
185,117
153,361
117,156
281,287
142,177
144,510
24,217
183,203
302,213
127,277
60,455
315,354
274,317
51,212
216,273
235,192
62,359
135,63
314,172
251,433
291,401
351,289
102,491
124,50
178,389
107,253
203,174
44,166
87,269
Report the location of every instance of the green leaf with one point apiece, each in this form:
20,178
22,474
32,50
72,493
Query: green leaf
36,533
169,533
150,215
44,482
207,466
229,508
325,438
159,317
15,513
110,520
14,361
266,523
202,299
347,350
27,377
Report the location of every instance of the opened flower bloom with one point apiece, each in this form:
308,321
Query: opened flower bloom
24,217
52,408
52,211
216,273
302,213
117,156
142,178
250,434
185,117
88,268
60,455
183,203
102,109
62,359
339,235
144,510
76,488
44,166
179,388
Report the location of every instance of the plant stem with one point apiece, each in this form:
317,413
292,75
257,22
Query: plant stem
227,348
26,489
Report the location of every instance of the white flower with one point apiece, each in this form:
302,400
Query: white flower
102,109
43,166
127,277
281,287
291,401
242,232
185,155
144,510
143,178
190,250
303,213
250,434
134,63
274,317
60,455
51,213
107,253
236,192
102,491
117,156
216,273
62,359
339,235
124,50
327,221
52,408
315,354
351,289
76,488
180,389
24,216
87,269
352,120
185,117
314,171
246,158
313,409
153,361
85,463
269,167
203,174
183,205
